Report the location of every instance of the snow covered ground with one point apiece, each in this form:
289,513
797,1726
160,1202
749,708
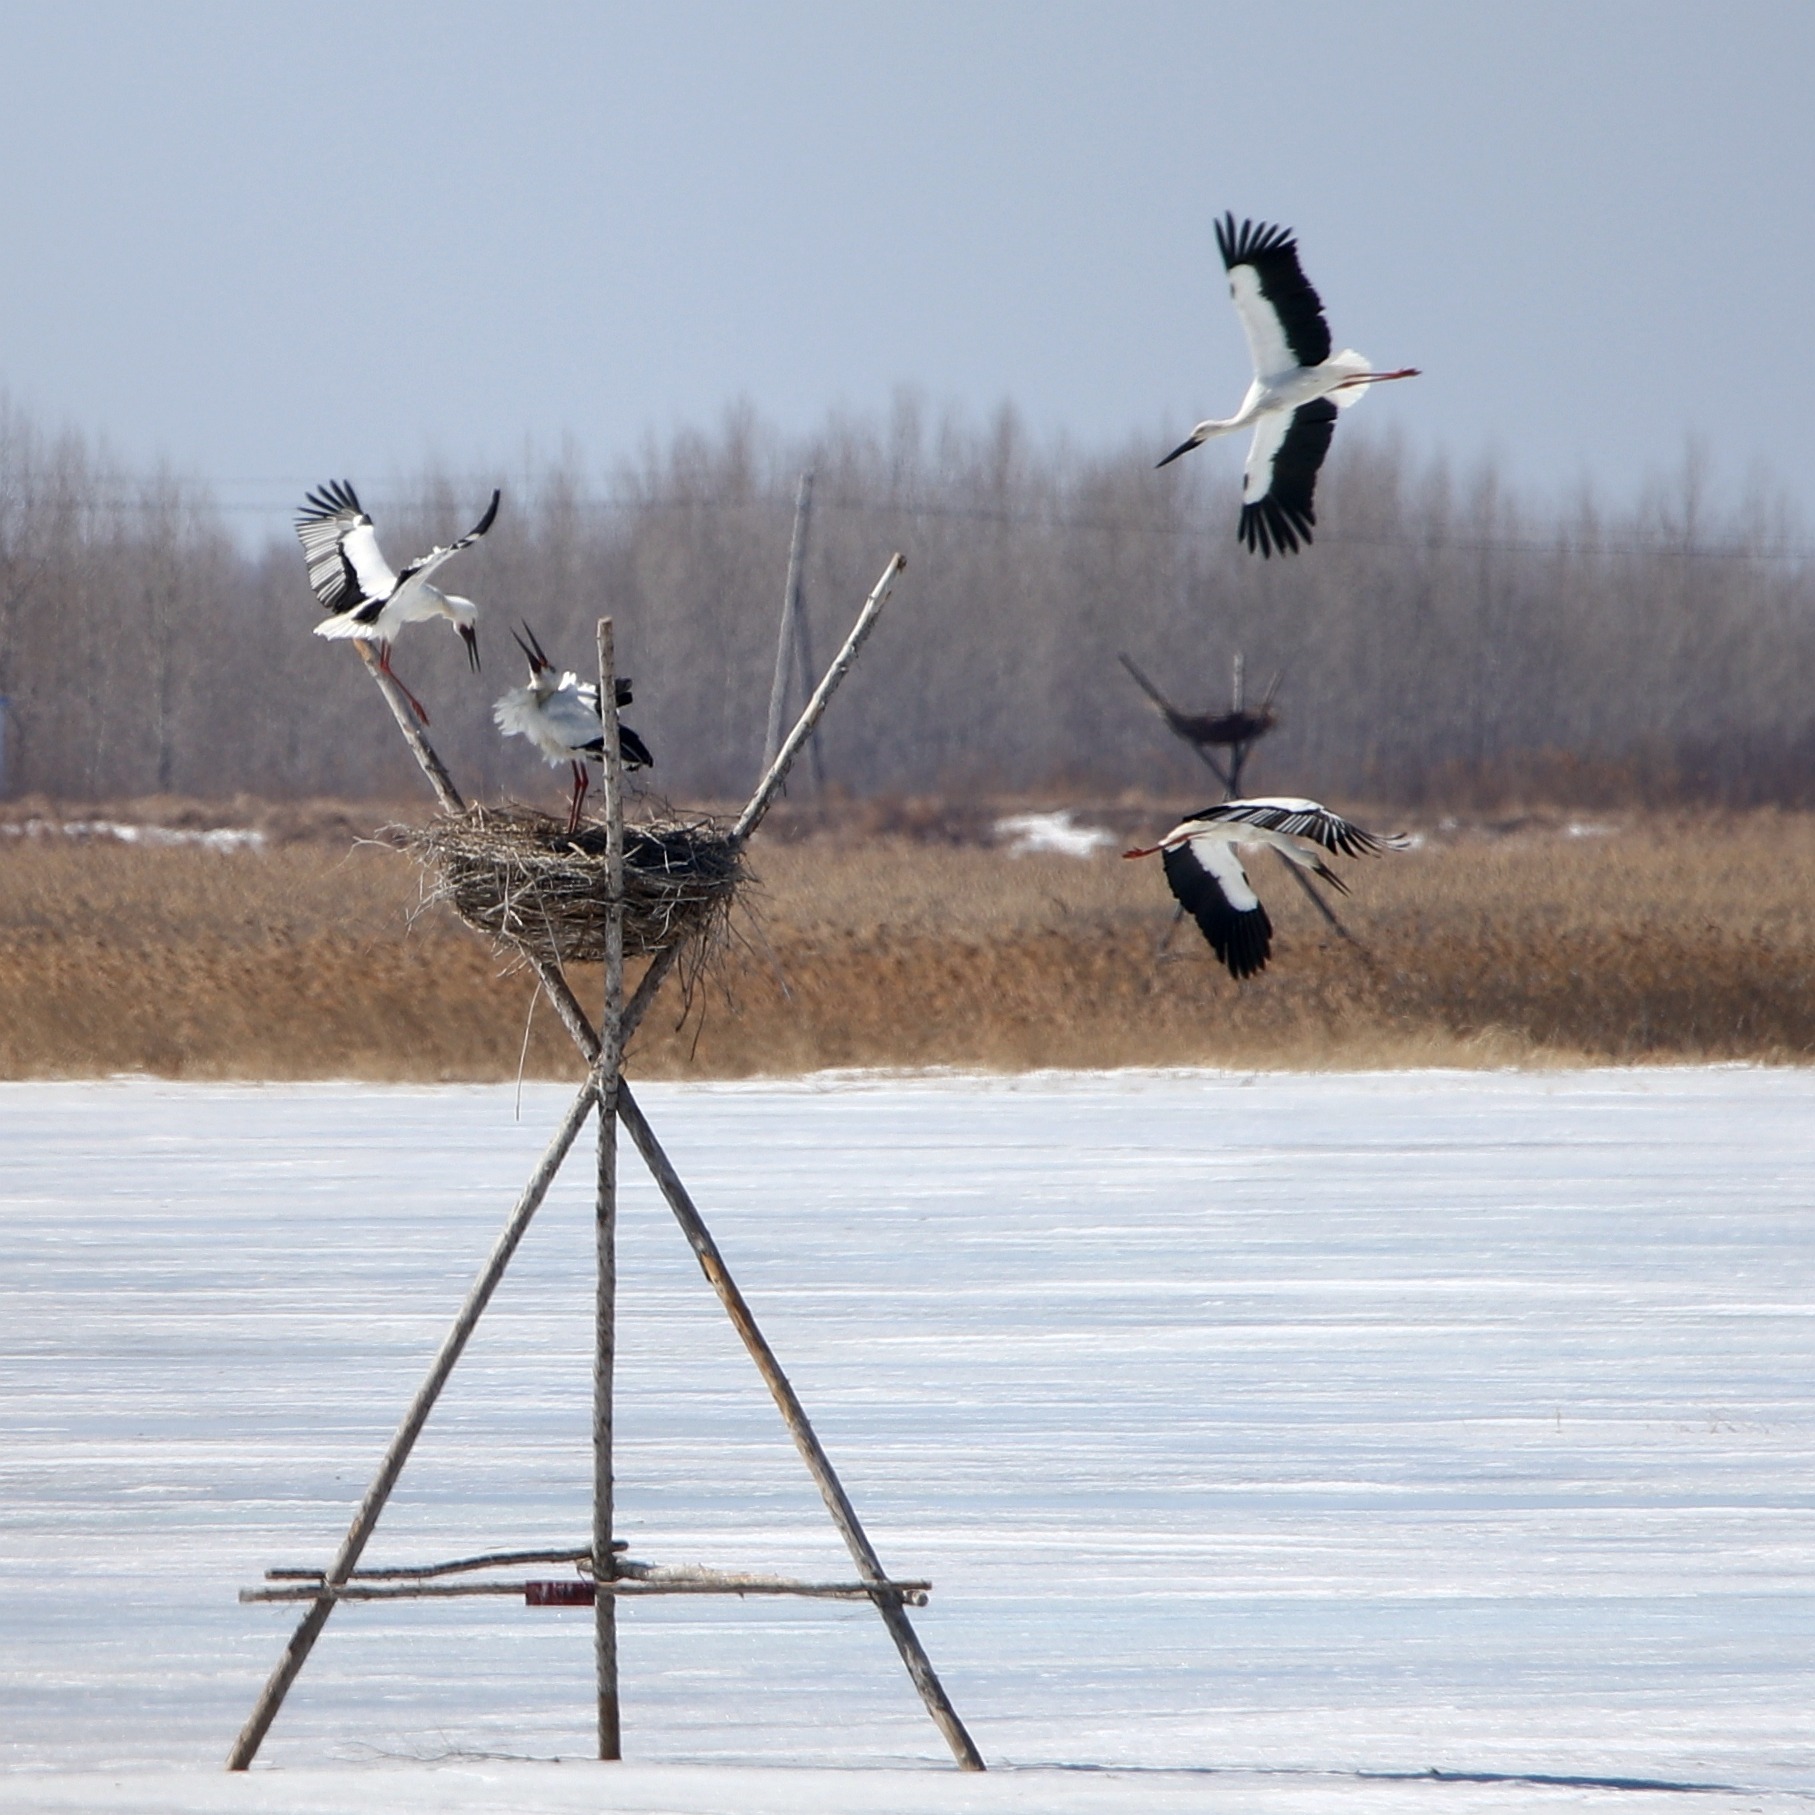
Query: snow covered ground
1272,1442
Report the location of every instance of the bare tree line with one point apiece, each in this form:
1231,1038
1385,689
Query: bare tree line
1445,642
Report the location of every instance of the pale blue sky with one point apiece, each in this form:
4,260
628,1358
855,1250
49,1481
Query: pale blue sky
277,242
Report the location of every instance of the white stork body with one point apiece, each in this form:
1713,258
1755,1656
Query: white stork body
1205,872
359,591
1299,385
559,714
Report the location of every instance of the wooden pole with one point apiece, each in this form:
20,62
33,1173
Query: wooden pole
302,1641
605,1629
1317,901
803,636
420,747
633,1588
747,821
1238,753
495,1559
743,1320
825,1477
787,640
1169,713
803,643
778,768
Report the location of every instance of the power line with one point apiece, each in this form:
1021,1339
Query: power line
781,507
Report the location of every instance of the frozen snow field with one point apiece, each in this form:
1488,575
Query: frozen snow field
1273,1443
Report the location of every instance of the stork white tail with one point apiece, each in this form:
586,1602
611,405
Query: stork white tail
344,625
1348,360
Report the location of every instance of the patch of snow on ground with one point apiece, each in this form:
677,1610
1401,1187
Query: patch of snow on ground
1271,1443
1054,834
219,838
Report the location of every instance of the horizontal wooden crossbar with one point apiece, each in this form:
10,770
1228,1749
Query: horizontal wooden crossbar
580,1591
417,1572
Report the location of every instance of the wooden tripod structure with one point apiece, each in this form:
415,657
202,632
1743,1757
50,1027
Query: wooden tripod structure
606,1092
1238,730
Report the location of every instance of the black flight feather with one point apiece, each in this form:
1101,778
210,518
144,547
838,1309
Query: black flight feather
1283,518
1241,940
1273,252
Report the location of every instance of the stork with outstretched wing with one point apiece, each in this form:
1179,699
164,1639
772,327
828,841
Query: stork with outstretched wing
1299,385
1204,868
357,588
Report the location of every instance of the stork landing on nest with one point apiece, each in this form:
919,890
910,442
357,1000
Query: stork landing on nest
362,596
1206,874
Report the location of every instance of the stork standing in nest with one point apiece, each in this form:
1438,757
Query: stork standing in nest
364,599
1299,385
1205,870
559,714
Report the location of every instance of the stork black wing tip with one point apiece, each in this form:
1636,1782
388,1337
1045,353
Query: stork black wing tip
1269,525
1250,240
329,500
632,751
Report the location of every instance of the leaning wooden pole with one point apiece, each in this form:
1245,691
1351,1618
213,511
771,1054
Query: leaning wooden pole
555,985
605,1074
302,1640
420,747
309,1629
783,761
773,777
819,1465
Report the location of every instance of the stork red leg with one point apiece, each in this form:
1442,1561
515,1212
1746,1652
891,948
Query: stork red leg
384,662
580,782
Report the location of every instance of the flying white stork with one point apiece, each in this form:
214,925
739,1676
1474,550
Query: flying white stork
1298,387
1206,873
559,714
362,596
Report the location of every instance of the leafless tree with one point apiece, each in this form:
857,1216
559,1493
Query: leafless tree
1446,640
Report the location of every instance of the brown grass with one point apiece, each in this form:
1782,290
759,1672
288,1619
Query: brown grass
1668,938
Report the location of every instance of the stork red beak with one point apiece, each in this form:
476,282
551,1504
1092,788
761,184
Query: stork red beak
471,634
1146,851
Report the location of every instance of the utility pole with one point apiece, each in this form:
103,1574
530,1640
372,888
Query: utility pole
794,645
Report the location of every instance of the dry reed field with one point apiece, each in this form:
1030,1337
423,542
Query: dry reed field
1535,940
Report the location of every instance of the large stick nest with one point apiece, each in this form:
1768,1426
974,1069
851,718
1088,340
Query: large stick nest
520,877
